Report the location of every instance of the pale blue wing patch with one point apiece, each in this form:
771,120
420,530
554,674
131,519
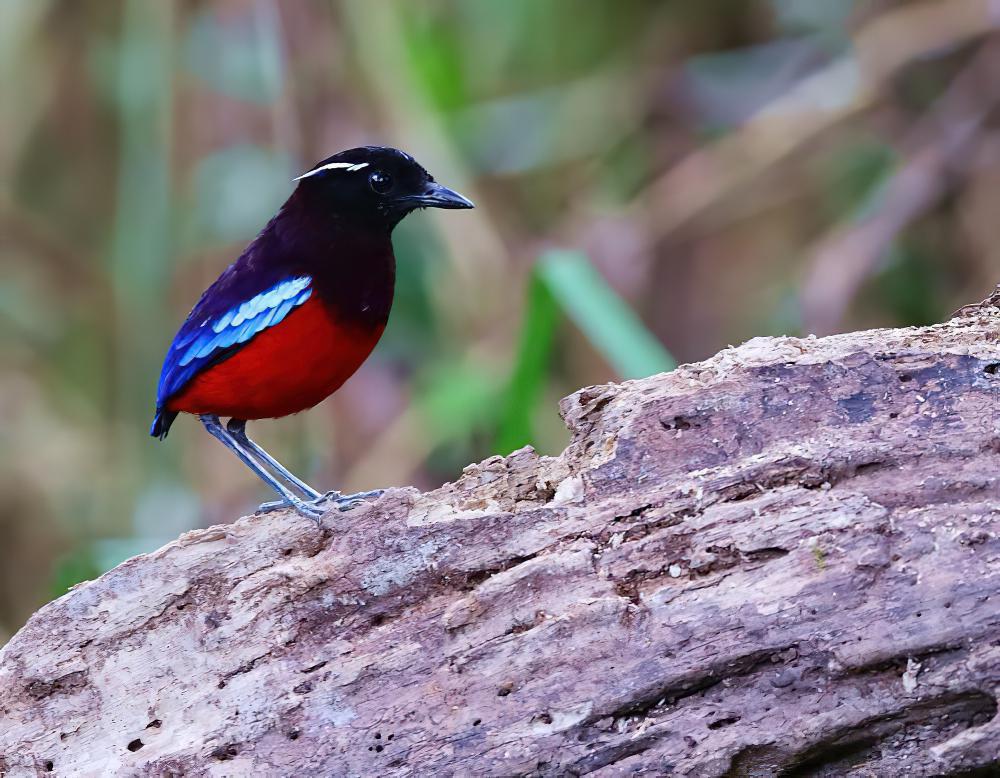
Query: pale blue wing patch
242,322
201,343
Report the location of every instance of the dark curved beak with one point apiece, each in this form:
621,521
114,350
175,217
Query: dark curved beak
437,196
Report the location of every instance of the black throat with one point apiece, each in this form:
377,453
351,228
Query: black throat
350,259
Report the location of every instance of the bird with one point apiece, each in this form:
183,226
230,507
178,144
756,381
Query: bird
298,312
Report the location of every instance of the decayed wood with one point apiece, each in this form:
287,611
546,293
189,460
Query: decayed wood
781,561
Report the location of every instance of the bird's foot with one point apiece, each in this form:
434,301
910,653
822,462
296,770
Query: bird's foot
314,509
308,508
344,502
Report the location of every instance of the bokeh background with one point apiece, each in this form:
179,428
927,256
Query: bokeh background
655,180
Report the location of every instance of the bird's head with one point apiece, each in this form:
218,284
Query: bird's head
375,183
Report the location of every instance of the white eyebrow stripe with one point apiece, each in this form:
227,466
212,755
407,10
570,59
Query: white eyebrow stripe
350,167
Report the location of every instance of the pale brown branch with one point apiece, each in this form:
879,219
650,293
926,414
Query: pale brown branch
779,561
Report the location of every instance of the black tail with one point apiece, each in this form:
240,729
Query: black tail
161,423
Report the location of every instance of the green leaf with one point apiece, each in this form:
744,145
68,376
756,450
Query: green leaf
565,281
74,568
541,316
455,398
608,322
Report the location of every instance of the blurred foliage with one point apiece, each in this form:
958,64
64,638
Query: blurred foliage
566,282
717,170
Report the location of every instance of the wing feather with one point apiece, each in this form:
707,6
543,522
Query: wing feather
200,344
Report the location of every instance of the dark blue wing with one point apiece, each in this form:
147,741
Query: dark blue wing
206,338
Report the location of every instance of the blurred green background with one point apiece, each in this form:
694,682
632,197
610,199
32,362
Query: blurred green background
655,180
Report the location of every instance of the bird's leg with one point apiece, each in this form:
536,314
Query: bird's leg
238,429
237,432
215,428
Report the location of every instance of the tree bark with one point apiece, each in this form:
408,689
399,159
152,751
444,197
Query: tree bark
781,561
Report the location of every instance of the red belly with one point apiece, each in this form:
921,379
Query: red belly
285,369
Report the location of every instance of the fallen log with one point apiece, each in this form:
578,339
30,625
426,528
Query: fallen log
781,561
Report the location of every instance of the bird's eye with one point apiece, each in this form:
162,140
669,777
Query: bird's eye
380,182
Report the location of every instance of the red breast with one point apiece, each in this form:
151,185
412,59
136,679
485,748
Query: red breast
285,369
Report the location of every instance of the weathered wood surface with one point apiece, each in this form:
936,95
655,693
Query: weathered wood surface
781,561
